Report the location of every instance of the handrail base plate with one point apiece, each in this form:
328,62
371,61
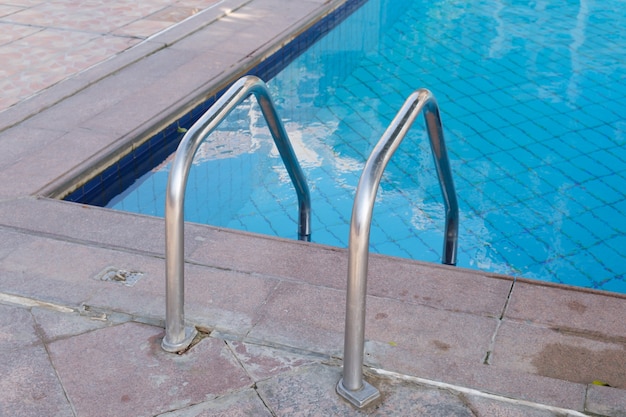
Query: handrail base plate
361,397
190,334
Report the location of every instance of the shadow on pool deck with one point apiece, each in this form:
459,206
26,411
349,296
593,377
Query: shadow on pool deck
441,341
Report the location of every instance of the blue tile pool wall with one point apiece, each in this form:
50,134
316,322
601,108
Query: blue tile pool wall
533,101
112,183
115,179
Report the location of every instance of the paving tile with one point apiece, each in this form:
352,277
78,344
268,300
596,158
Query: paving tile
77,39
173,14
606,401
89,224
33,105
425,331
225,300
23,141
17,328
514,384
29,384
54,325
559,355
304,317
488,378
153,381
31,55
95,17
277,257
145,298
232,27
40,283
199,20
46,57
10,94
482,406
10,241
142,28
81,106
311,388
55,271
290,12
310,391
64,273
52,160
312,318
262,362
198,3
54,95
106,228
82,57
240,404
165,96
102,96
574,309
197,78
440,286
131,117
217,299
6,10
237,250
249,28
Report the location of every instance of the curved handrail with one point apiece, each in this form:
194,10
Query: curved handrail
351,386
177,337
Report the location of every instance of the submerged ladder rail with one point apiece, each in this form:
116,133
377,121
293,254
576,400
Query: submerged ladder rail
352,386
177,336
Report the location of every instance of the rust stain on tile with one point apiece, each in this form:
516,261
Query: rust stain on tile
441,345
381,316
577,306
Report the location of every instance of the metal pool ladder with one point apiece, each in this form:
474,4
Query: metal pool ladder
352,386
177,336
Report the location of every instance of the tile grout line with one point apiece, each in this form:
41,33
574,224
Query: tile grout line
492,343
41,335
254,382
262,309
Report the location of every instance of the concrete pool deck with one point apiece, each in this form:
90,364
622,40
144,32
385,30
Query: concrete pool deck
441,341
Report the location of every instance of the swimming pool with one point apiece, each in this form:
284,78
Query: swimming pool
533,102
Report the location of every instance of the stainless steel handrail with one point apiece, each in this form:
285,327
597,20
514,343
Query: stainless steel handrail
177,336
352,386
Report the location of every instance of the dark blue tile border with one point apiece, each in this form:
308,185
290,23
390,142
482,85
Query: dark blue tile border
115,179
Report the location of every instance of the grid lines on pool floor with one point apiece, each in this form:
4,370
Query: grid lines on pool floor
541,169
566,136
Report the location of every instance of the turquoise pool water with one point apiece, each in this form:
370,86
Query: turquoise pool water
533,101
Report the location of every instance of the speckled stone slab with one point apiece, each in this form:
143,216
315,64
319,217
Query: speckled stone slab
123,371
